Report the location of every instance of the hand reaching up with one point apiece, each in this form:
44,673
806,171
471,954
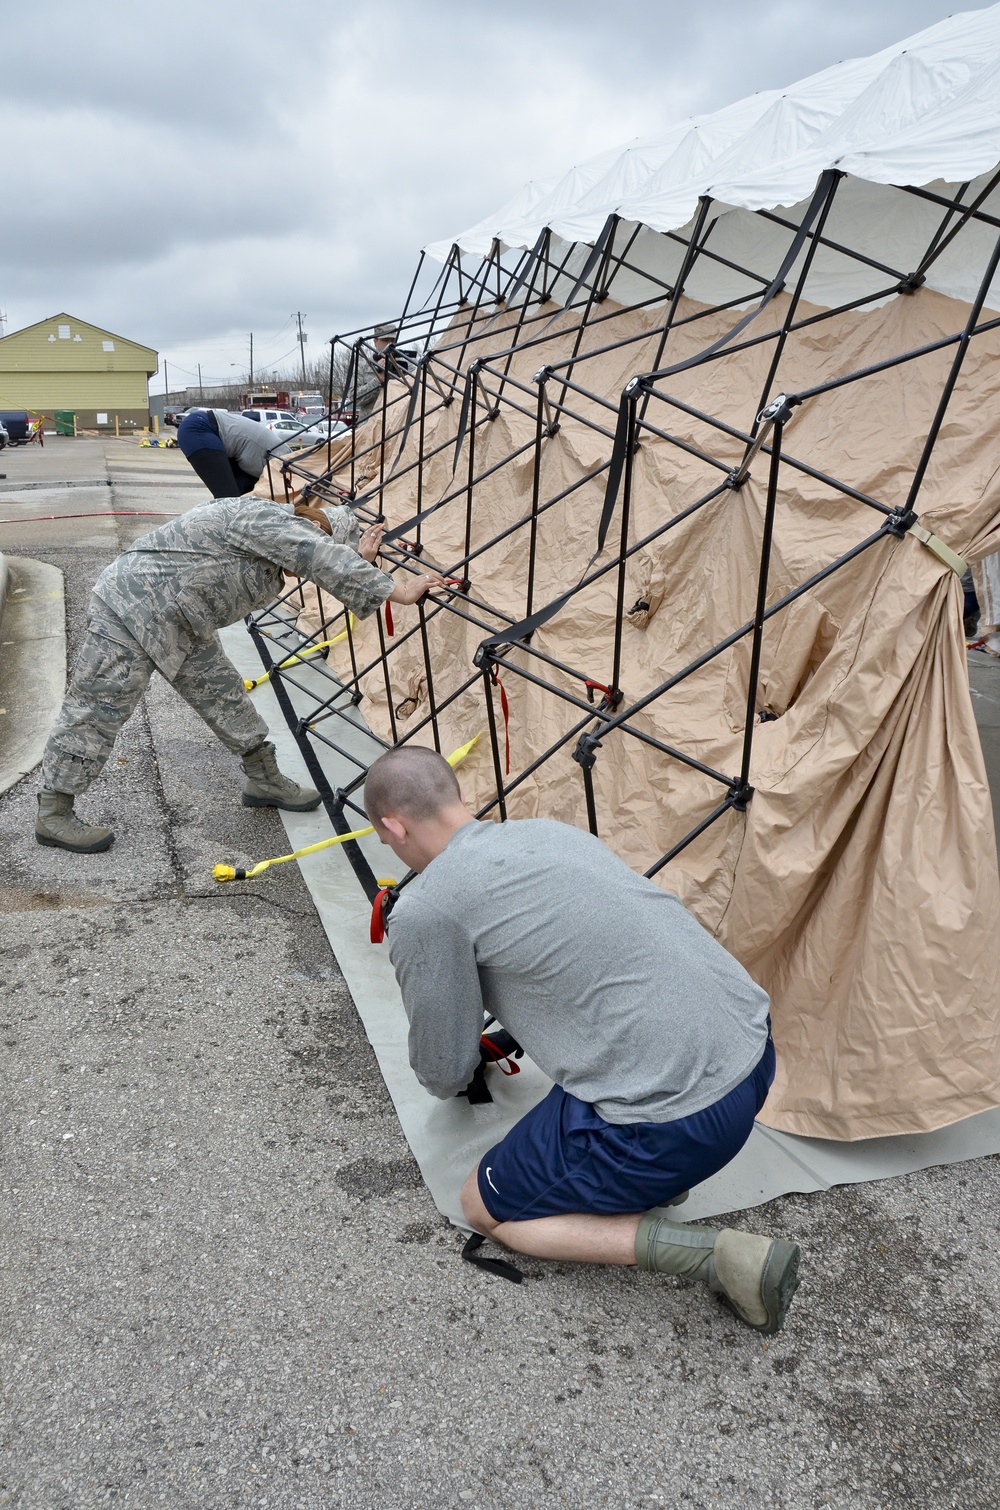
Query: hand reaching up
371,541
410,589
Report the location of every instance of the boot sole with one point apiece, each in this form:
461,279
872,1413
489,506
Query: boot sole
76,849
778,1284
289,807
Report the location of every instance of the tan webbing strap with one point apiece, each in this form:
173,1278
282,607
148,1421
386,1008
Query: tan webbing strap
943,552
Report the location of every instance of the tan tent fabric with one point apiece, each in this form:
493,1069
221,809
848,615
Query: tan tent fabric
860,887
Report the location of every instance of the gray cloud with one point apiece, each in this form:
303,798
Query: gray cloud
194,171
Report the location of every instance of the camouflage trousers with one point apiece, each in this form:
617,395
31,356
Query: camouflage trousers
111,673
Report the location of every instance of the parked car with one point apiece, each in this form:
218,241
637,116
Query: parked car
17,425
173,416
308,435
321,430
4,437
267,417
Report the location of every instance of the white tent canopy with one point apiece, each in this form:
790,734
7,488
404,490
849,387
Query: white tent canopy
924,111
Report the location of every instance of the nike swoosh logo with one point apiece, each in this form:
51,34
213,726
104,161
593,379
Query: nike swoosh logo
489,1182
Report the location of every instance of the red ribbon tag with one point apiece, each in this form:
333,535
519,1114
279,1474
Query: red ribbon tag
505,710
376,931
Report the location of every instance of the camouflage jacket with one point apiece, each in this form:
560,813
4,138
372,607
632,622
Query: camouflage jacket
212,566
367,364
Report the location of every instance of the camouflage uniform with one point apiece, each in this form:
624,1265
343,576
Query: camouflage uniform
158,606
369,366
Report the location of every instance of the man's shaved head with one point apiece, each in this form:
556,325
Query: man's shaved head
412,781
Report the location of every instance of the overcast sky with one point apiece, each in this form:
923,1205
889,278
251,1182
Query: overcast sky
186,172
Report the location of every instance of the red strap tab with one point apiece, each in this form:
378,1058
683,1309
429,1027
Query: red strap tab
507,1065
505,710
376,931
390,627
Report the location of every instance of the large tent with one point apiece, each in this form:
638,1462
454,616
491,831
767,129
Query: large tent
703,432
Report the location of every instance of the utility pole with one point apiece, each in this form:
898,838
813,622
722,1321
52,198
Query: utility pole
201,391
166,385
303,338
251,359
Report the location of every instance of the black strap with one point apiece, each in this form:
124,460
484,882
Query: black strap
525,628
775,286
499,1266
608,231
471,378
527,263
477,1090
623,435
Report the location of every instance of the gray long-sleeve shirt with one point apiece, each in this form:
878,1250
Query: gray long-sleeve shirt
607,982
225,559
248,442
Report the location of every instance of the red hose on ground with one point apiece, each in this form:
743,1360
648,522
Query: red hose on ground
101,514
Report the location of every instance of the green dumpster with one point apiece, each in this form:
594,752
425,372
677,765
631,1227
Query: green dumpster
65,422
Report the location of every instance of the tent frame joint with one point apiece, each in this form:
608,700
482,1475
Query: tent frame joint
740,794
585,753
900,522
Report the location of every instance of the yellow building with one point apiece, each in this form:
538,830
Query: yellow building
65,364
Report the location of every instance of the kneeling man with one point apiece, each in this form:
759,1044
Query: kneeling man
656,1038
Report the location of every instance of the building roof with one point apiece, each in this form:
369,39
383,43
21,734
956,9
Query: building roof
64,343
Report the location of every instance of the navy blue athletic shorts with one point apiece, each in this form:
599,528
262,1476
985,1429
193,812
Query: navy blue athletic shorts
199,432
563,1157
198,437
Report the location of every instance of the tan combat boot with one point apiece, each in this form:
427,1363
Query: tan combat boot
756,1276
266,787
58,826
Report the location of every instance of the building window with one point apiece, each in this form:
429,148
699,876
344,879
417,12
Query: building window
64,332
107,345
102,419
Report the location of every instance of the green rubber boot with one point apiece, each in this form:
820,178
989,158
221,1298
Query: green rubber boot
266,787
58,826
756,1276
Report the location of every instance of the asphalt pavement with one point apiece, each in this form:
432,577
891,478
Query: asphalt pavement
223,1284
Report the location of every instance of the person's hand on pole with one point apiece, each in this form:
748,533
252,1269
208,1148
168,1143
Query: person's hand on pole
371,542
412,589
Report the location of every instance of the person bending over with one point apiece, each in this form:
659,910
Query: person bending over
227,451
158,607
656,1038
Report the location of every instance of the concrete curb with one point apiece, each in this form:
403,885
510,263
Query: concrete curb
4,579
32,662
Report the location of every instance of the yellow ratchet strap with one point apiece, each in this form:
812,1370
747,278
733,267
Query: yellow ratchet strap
292,660
233,873
937,546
